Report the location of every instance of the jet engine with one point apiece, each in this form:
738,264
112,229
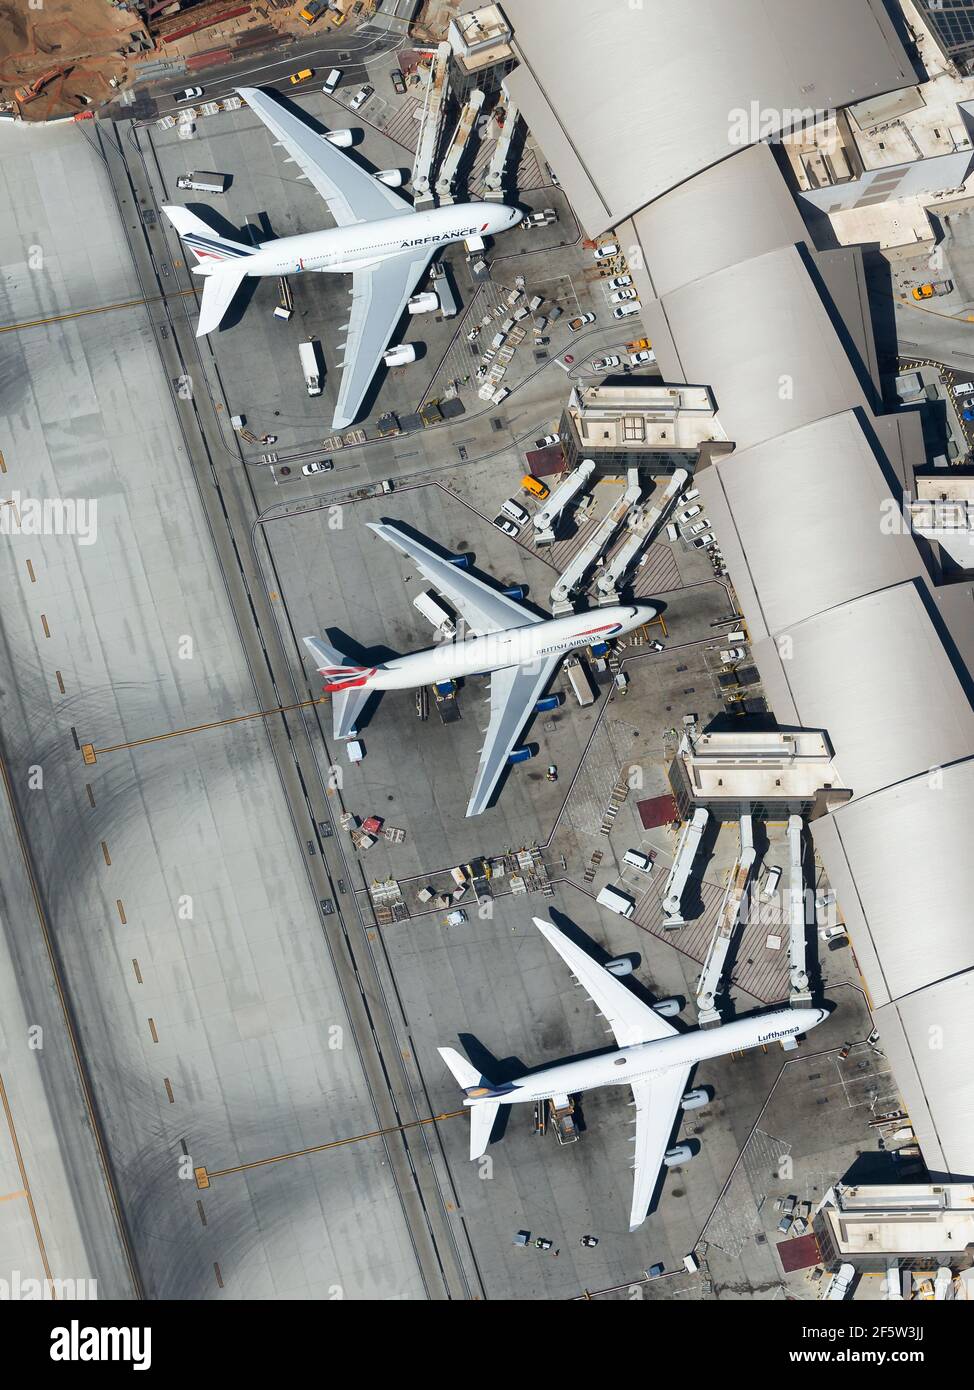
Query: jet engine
694,1099
392,178
667,1008
342,138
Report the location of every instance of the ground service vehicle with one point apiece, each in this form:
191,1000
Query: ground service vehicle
624,310
932,290
302,76
398,81
581,681
310,367
434,612
602,364
616,901
580,322
644,355
311,11
360,98
602,253
332,80
535,486
503,524
546,440
204,181
318,466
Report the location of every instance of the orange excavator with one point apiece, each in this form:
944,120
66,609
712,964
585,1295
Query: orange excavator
33,89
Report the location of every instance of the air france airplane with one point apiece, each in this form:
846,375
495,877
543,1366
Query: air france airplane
519,649
652,1057
380,239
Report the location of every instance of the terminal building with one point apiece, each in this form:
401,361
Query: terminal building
743,290
640,424
897,1226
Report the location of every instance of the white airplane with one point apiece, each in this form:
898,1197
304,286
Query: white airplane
519,649
379,238
653,1058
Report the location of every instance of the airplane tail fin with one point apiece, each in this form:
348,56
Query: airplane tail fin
206,245
347,683
483,1109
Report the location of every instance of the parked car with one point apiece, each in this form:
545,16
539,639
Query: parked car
642,356
964,389
503,524
699,526
624,310
190,94
547,440
602,364
580,322
319,466
618,282
398,81
832,933
602,253
332,80
656,646
360,98
556,311
621,296
699,542
689,514
732,654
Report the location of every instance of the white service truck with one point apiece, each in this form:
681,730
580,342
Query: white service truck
310,366
204,181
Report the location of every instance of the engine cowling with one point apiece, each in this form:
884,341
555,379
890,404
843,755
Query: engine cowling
342,138
696,1098
392,178
399,356
667,1008
680,1153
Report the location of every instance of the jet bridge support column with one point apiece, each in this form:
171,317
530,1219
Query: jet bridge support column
642,524
450,165
429,127
679,874
797,964
727,923
590,552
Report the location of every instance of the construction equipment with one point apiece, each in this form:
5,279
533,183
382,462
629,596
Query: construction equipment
32,90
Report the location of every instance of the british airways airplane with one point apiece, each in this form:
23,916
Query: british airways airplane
380,239
519,649
652,1057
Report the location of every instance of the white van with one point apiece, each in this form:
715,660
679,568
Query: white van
672,533
510,508
771,882
433,611
616,901
332,80
690,496
690,1263
637,860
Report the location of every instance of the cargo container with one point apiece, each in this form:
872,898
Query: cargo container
433,611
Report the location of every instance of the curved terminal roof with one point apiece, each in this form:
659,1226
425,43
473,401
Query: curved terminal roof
674,74
849,637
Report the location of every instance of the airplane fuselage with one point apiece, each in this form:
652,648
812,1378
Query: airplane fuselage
343,249
520,646
629,1064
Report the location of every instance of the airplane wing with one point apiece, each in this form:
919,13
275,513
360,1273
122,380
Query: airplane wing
630,1019
351,193
379,295
657,1099
513,692
483,608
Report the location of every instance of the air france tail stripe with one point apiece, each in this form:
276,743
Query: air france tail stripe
214,247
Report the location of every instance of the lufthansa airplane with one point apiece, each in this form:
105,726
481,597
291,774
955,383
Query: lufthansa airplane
379,239
652,1057
517,648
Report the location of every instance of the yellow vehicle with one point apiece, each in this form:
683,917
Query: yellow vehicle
313,10
638,345
535,486
301,76
923,292
338,18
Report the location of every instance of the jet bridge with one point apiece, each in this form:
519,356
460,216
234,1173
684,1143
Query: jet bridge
590,552
642,524
679,874
430,126
494,178
797,973
568,489
728,920
451,164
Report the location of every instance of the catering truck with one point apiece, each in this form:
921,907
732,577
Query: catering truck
581,681
204,181
310,367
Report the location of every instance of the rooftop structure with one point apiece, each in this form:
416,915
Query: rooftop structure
920,1227
640,423
480,38
771,774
